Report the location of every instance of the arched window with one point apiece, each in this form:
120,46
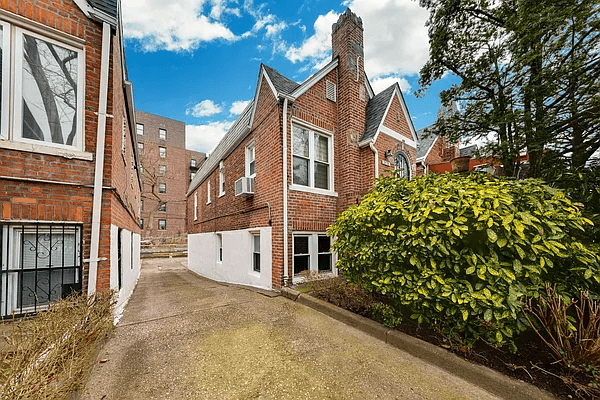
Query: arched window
402,165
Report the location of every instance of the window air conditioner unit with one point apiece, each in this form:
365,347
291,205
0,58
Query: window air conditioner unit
244,186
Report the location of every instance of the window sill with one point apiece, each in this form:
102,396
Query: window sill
222,194
54,151
313,190
322,275
255,274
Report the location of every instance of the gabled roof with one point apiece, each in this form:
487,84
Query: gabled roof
426,141
282,84
238,131
376,108
106,6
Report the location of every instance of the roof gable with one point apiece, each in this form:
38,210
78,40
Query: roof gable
425,143
378,108
238,131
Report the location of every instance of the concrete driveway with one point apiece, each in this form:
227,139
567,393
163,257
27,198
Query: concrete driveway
186,337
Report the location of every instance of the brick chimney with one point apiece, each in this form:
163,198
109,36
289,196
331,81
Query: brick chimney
352,97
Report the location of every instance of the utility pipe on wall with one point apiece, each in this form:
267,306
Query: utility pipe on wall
376,153
285,194
99,171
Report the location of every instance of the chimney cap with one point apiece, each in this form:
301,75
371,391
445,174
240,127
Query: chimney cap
348,14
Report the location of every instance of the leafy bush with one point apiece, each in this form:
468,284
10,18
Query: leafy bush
464,251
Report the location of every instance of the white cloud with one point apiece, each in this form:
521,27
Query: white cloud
175,25
238,106
381,83
205,108
396,39
318,46
205,137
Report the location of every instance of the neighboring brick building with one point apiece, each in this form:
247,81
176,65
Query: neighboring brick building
168,169
69,183
433,150
297,156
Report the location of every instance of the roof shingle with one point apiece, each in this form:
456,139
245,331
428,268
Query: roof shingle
375,112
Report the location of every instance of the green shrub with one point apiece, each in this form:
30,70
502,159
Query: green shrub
464,251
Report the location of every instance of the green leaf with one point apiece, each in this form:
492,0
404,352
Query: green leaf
492,236
502,242
490,222
470,270
488,315
588,274
465,315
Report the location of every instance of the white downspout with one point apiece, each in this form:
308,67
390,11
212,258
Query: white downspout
376,153
285,194
99,172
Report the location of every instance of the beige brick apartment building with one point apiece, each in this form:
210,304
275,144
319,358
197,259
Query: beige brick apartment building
259,207
69,182
167,170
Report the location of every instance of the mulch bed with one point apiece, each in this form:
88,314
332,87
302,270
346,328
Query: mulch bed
533,363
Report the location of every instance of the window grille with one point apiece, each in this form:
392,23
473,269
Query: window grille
40,264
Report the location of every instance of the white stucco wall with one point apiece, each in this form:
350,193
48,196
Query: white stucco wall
237,257
130,266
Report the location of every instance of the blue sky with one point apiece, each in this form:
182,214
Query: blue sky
197,61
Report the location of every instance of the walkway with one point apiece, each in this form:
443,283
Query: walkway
185,337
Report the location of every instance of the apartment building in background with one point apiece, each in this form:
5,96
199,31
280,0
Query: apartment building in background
167,170
70,187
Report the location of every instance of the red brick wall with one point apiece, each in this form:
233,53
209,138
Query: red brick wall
26,197
236,212
347,45
396,120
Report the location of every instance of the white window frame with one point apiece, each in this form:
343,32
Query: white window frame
140,146
313,253
193,163
12,259
158,225
196,206
162,151
17,57
160,133
250,157
208,192
312,130
219,247
162,184
5,71
162,170
221,179
253,236
138,130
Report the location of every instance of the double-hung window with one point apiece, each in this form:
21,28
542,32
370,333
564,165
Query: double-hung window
221,179
312,252
250,161
162,152
162,134
256,252
219,247
139,129
43,79
312,159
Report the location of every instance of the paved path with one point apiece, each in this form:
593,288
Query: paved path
185,337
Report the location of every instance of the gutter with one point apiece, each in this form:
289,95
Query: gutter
376,153
99,170
285,194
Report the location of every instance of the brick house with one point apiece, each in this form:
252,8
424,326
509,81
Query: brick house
433,150
259,207
69,182
167,170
